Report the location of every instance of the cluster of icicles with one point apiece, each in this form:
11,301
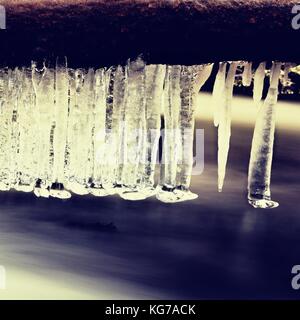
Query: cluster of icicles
98,131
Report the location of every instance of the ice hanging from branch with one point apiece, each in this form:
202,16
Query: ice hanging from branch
192,80
98,135
218,92
98,131
43,83
60,119
259,179
134,131
179,130
27,127
80,130
224,129
171,137
155,77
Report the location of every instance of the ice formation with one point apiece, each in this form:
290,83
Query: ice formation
98,132
224,128
179,130
247,74
218,92
259,179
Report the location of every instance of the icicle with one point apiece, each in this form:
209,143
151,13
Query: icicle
285,78
43,82
80,133
61,107
98,132
259,194
133,130
6,131
171,139
202,73
247,74
120,95
115,113
186,125
15,93
224,129
218,92
98,135
155,76
181,88
27,124
110,147
192,80
259,79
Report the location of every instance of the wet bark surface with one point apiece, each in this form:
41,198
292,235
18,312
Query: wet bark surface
103,33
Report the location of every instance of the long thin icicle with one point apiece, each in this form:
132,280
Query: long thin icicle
224,129
218,92
259,178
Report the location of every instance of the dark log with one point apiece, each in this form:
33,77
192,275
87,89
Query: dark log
103,33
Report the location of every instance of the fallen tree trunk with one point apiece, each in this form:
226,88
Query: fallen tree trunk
100,33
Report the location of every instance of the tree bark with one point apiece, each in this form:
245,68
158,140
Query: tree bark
103,33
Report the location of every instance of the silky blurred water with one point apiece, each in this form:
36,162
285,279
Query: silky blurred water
214,247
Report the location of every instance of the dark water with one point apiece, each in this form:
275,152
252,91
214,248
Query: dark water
215,247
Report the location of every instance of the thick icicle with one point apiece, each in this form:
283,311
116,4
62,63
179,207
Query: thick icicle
27,124
98,135
120,95
110,147
61,109
181,87
14,101
259,79
186,125
43,82
6,131
171,136
134,131
115,112
224,129
80,131
155,76
247,74
192,80
218,92
259,178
